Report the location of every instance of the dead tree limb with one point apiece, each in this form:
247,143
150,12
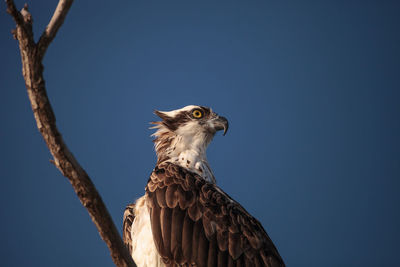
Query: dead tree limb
32,55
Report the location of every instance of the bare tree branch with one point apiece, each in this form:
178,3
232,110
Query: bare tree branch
55,23
32,68
12,10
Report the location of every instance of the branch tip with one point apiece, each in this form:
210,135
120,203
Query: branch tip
12,10
26,15
54,25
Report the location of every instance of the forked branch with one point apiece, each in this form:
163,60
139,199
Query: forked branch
32,55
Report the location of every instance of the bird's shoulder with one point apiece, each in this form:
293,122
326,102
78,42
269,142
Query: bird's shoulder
204,213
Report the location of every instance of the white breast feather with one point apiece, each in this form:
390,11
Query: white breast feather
144,251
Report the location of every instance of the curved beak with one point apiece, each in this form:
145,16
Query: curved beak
221,123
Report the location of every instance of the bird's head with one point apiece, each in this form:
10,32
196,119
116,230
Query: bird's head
191,127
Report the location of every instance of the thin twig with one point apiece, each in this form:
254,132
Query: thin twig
55,23
32,55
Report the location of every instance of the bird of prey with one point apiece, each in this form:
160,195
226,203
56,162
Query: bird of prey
184,218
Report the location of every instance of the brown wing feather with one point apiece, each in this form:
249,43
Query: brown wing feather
207,228
129,216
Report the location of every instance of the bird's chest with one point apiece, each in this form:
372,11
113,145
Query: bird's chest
144,252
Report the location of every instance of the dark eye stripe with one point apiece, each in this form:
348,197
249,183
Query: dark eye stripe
206,111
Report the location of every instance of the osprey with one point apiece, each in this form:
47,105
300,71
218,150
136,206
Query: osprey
184,218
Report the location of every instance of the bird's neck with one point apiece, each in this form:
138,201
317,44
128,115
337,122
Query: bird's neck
189,152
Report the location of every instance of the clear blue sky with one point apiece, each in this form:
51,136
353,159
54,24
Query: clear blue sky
311,90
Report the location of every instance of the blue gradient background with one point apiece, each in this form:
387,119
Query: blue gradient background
311,90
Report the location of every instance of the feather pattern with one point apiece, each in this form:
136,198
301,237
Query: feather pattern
218,229
129,216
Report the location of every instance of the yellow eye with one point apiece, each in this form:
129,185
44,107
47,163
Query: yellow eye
197,113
